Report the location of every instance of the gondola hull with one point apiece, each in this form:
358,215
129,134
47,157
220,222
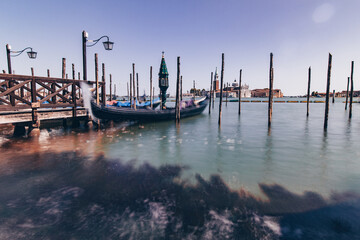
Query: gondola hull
144,115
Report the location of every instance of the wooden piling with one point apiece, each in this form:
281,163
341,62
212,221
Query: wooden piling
271,81
151,92
137,86
34,104
131,97
347,92
327,93
73,96
97,79
221,89
333,98
128,94
110,88
181,91
177,105
210,92
239,111
115,91
63,73
103,89
79,86
351,89
308,92
133,66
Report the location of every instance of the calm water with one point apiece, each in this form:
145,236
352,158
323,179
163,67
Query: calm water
293,182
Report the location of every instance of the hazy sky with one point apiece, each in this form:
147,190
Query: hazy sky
300,33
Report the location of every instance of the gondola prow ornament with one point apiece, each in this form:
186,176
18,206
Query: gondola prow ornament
163,81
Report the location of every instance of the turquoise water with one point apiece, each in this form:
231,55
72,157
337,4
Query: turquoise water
128,181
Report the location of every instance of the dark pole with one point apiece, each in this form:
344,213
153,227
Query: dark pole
333,98
115,91
211,80
137,87
151,92
351,89
84,39
134,93
327,93
97,78
347,93
226,92
73,96
308,93
63,73
8,51
221,89
177,107
239,112
271,81
103,90
110,88
181,92
10,84
130,99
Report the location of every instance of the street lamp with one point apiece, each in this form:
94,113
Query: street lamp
31,54
107,45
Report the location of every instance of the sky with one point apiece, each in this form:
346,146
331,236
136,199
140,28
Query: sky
300,34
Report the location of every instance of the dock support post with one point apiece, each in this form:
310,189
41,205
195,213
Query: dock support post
221,89
271,81
73,96
308,92
111,88
351,89
35,124
131,98
327,93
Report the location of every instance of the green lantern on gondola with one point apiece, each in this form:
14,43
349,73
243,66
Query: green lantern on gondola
163,80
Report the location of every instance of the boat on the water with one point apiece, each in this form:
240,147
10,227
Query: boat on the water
187,109
126,104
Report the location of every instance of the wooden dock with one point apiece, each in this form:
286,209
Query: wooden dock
28,100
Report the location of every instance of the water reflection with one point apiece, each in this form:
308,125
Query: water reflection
69,196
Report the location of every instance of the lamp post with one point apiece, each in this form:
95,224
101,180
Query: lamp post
107,45
31,54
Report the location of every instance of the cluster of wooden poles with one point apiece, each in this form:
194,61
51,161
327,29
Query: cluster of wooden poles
271,80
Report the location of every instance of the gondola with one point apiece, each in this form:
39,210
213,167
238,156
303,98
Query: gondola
147,115
126,104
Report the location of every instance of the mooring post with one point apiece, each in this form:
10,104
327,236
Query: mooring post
347,92
333,98
79,86
351,89
34,106
131,96
63,73
308,92
327,93
133,65
221,89
103,89
110,88
151,92
211,80
271,81
97,79
177,107
73,96
137,87
181,90
115,91
239,112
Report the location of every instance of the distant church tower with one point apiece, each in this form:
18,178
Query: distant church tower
216,81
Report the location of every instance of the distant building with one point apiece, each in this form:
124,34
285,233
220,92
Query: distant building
216,81
233,91
265,93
